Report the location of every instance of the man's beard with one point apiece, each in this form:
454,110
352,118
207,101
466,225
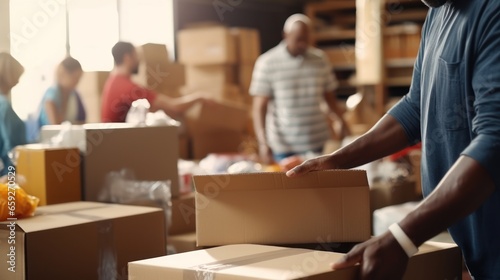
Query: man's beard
434,3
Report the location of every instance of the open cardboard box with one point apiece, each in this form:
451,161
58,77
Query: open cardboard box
270,208
435,261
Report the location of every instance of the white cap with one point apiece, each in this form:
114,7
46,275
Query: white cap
293,19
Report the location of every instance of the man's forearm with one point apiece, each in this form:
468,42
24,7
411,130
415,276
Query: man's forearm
385,138
464,188
259,122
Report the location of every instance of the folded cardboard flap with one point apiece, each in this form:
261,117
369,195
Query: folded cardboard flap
270,208
279,180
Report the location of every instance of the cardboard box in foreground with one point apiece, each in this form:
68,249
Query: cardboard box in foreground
270,208
435,261
82,240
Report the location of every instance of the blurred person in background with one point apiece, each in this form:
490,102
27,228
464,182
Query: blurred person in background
120,91
289,85
61,102
12,128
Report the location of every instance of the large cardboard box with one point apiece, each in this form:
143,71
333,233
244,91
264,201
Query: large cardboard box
183,243
206,118
216,142
151,153
341,56
221,93
270,208
206,45
90,87
245,72
384,194
51,174
183,215
153,54
247,44
210,75
435,261
81,240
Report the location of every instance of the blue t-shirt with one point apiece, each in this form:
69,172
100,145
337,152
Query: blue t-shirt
74,113
453,107
12,132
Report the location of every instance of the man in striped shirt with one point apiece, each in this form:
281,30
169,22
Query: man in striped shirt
289,84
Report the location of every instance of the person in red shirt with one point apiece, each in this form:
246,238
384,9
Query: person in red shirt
120,91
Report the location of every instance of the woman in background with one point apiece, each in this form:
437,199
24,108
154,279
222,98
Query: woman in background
12,129
62,102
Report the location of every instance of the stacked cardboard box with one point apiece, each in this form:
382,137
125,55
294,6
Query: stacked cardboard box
219,63
402,41
182,231
241,211
90,87
157,72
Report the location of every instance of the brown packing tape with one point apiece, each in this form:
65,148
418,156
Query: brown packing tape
207,271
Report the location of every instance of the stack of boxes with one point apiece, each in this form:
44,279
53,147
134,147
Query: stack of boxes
219,63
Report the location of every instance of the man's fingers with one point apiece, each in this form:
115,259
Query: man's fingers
307,166
350,259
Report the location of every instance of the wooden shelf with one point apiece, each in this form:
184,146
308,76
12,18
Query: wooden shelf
330,6
343,66
410,15
334,34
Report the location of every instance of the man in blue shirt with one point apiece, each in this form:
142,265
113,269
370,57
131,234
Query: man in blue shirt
453,107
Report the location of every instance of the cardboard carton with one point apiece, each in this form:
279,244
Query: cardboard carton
82,240
183,215
90,87
221,93
206,118
387,194
151,153
206,45
210,75
435,261
247,44
216,142
51,174
341,56
183,243
245,72
270,208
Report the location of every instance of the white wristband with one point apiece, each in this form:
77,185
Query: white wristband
403,240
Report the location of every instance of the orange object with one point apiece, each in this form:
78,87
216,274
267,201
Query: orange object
14,200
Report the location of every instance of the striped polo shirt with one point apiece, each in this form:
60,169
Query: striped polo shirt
296,86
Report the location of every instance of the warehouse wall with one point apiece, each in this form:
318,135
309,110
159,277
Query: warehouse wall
266,16
4,26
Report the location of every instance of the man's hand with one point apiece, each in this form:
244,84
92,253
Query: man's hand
316,164
380,257
265,154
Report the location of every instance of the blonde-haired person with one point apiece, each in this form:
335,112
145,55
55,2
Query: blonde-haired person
61,101
12,128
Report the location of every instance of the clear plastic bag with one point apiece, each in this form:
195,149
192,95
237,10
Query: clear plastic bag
122,187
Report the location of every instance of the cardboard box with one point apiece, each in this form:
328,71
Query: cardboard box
183,215
343,55
206,45
435,261
90,87
270,208
387,194
216,142
82,240
245,72
247,44
210,75
51,174
150,152
183,243
393,46
153,54
221,93
205,118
